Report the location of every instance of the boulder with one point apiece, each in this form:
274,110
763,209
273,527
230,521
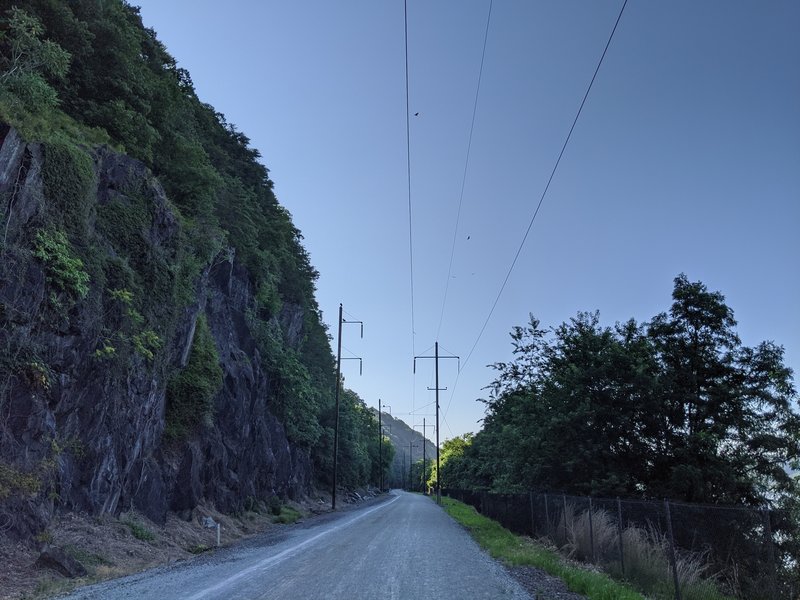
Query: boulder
56,559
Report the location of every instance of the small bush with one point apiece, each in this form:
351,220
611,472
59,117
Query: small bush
287,516
275,505
14,481
198,549
44,537
62,267
139,531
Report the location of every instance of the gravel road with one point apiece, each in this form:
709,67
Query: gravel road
403,547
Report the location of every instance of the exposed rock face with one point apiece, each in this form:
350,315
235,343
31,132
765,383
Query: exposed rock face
81,433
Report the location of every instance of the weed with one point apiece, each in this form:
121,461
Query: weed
86,558
139,531
14,481
198,549
50,586
44,537
645,553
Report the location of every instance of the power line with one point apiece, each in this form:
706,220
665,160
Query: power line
466,165
410,219
544,193
408,171
547,187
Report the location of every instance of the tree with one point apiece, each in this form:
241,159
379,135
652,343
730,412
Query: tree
26,59
455,466
676,407
728,425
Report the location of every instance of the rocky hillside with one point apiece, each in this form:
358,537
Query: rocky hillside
160,339
87,364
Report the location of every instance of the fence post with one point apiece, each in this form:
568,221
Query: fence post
564,497
591,531
619,528
533,520
672,552
770,553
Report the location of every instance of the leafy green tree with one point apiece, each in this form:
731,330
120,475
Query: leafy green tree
728,425
676,407
455,465
26,59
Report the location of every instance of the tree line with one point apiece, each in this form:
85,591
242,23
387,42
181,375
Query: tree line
674,407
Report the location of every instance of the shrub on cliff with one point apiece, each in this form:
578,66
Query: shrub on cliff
190,393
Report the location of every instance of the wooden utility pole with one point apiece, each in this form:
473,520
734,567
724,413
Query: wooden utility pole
437,388
410,463
338,387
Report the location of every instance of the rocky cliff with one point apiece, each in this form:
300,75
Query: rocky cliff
89,348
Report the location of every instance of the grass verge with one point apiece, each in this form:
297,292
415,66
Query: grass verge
514,550
287,516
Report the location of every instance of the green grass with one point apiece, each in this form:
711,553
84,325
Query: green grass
139,531
517,551
86,558
287,516
198,548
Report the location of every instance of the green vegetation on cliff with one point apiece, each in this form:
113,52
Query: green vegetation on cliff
78,75
190,393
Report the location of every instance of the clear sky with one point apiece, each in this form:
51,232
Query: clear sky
686,158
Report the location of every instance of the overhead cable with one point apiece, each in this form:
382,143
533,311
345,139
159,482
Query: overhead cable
466,165
541,199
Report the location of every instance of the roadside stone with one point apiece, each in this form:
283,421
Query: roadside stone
56,559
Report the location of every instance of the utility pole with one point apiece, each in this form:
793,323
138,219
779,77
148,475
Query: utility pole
403,471
438,464
380,442
338,387
380,449
424,458
410,462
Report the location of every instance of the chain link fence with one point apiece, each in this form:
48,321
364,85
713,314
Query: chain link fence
665,549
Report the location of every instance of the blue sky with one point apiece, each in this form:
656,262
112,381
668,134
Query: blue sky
686,158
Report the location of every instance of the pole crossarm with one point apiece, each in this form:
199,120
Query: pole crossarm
346,322
437,358
360,363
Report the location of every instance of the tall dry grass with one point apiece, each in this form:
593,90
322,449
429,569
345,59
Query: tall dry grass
646,554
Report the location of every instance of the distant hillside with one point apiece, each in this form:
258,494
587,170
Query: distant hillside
401,436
